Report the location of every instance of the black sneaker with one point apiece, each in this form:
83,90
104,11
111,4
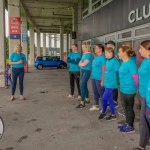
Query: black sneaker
80,106
102,116
148,145
111,117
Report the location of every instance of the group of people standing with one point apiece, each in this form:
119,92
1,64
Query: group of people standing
110,69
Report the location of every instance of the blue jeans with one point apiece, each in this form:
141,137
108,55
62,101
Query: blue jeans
98,90
85,75
7,79
17,72
108,98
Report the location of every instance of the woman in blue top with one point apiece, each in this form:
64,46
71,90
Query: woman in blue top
110,83
98,70
17,60
86,66
144,76
128,76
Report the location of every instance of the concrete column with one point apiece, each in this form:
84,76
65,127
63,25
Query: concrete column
13,11
24,33
32,48
2,43
38,44
62,42
70,41
74,22
50,44
55,42
44,44
67,43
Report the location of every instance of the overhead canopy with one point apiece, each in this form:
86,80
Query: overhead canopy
49,15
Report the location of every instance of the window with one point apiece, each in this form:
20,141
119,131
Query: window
96,5
39,58
110,38
105,1
85,4
85,12
142,31
93,1
44,58
124,35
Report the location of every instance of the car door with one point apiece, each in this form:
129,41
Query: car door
55,62
50,61
45,61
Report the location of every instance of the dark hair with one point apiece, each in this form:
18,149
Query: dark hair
100,46
111,42
128,49
110,50
146,44
76,45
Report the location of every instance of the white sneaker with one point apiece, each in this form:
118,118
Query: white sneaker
70,96
94,108
79,98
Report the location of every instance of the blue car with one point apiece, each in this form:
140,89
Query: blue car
49,61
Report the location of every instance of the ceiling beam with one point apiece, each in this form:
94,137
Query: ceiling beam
28,15
50,2
47,18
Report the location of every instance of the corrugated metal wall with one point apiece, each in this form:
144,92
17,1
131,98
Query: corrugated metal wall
111,18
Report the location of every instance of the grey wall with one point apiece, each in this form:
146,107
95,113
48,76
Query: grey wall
111,18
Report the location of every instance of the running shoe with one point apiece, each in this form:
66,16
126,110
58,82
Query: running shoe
111,117
148,144
127,129
102,116
116,105
81,106
79,98
70,96
122,113
94,108
87,101
122,126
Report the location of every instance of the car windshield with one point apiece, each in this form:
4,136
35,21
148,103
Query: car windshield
39,58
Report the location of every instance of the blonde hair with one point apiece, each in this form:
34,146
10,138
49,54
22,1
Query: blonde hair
110,50
87,47
18,45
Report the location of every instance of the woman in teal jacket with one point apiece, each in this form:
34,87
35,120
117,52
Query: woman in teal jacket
144,76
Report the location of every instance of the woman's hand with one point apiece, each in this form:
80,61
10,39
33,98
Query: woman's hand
102,84
20,62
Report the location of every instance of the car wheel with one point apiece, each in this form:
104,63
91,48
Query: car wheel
61,66
40,67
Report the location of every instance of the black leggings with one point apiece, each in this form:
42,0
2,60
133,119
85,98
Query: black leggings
128,101
144,126
74,76
115,95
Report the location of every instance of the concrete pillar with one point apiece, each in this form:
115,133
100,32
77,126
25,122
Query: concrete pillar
74,22
70,41
50,44
24,33
62,42
44,44
67,43
13,11
2,43
38,44
32,48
